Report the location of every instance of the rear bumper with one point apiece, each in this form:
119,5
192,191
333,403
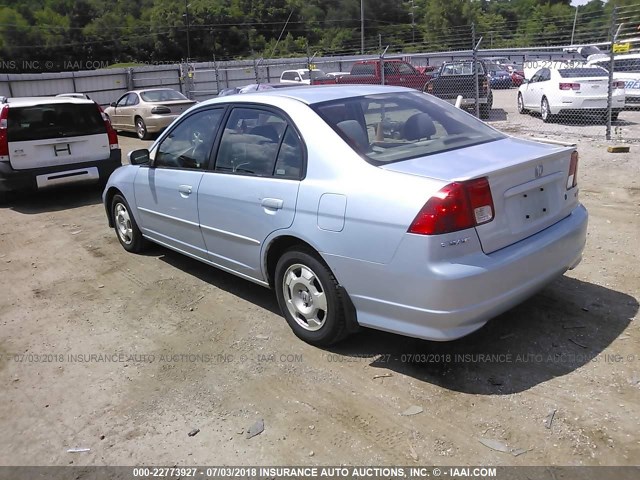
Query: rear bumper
157,123
418,295
571,104
20,180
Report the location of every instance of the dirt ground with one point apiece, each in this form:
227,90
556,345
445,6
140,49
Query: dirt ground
126,354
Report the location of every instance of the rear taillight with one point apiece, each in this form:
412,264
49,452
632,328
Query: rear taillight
160,110
111,133
4,141
457,206
569,86
572,179
618,85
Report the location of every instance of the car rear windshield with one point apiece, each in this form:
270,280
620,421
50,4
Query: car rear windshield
582,72
460,68
53,121
314,74
162,96
392,127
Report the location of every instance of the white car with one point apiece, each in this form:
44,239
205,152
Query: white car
626,68
570,91
301,75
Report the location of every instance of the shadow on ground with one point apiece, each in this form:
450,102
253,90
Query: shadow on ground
54,200
559,330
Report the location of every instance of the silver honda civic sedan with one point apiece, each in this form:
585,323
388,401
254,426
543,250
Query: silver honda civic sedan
361,206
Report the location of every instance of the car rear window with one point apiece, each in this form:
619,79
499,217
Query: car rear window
582,72
162,95
393,127
53,121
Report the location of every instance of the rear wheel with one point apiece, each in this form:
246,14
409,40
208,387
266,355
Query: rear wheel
521,108
545,112
125,225
309,297
141,129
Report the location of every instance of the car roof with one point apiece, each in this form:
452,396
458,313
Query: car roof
35,101
312,94
140,90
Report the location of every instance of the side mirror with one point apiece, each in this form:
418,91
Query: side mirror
139,157
112,104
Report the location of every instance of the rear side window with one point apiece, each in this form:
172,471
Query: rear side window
53,121
363,69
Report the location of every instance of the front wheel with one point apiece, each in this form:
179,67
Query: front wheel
141,129
545,111
521,109
309,298
125,225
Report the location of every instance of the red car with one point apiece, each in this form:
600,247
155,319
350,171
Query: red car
517,78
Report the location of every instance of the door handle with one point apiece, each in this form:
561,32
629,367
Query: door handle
273,203
185,190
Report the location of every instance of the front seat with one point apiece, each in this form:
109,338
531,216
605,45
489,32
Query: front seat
418,126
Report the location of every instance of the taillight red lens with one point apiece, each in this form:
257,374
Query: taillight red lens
572,179
569,86
4,141
457,206
111,133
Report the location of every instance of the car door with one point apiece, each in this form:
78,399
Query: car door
166,191
529,94
253,188
128,112
119,110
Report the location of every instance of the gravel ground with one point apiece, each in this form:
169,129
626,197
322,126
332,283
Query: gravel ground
126,354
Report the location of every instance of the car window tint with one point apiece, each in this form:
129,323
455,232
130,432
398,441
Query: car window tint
164,95
188,145
405,69
123,101
250,142
290,157
132,99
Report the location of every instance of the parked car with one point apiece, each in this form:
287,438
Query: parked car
368,206
396,72
517,78
305,76
626,68
500,79
147,111
570,91
458,78
54,141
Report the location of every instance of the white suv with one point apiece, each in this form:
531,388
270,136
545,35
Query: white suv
50,141
626,68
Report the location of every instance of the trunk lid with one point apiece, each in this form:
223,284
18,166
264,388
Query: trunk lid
527,180
56,134
177,106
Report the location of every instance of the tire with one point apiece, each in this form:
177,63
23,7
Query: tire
485,110
125,225
521,109
309,297
141,129
545,113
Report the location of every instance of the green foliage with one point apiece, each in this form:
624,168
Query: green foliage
157,30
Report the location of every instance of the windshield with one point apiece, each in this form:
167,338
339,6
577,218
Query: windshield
622,65
162,95
582,72
399,126
314,74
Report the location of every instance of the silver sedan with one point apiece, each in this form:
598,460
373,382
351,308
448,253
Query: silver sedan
361,206
147,111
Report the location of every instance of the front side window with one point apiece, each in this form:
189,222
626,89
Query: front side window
189,144
406,69
250,142
394,127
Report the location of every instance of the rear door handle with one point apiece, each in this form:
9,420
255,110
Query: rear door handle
273,203
185,190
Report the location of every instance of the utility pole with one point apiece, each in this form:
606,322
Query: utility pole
361,27
186,15
573,30
413,23
613,36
